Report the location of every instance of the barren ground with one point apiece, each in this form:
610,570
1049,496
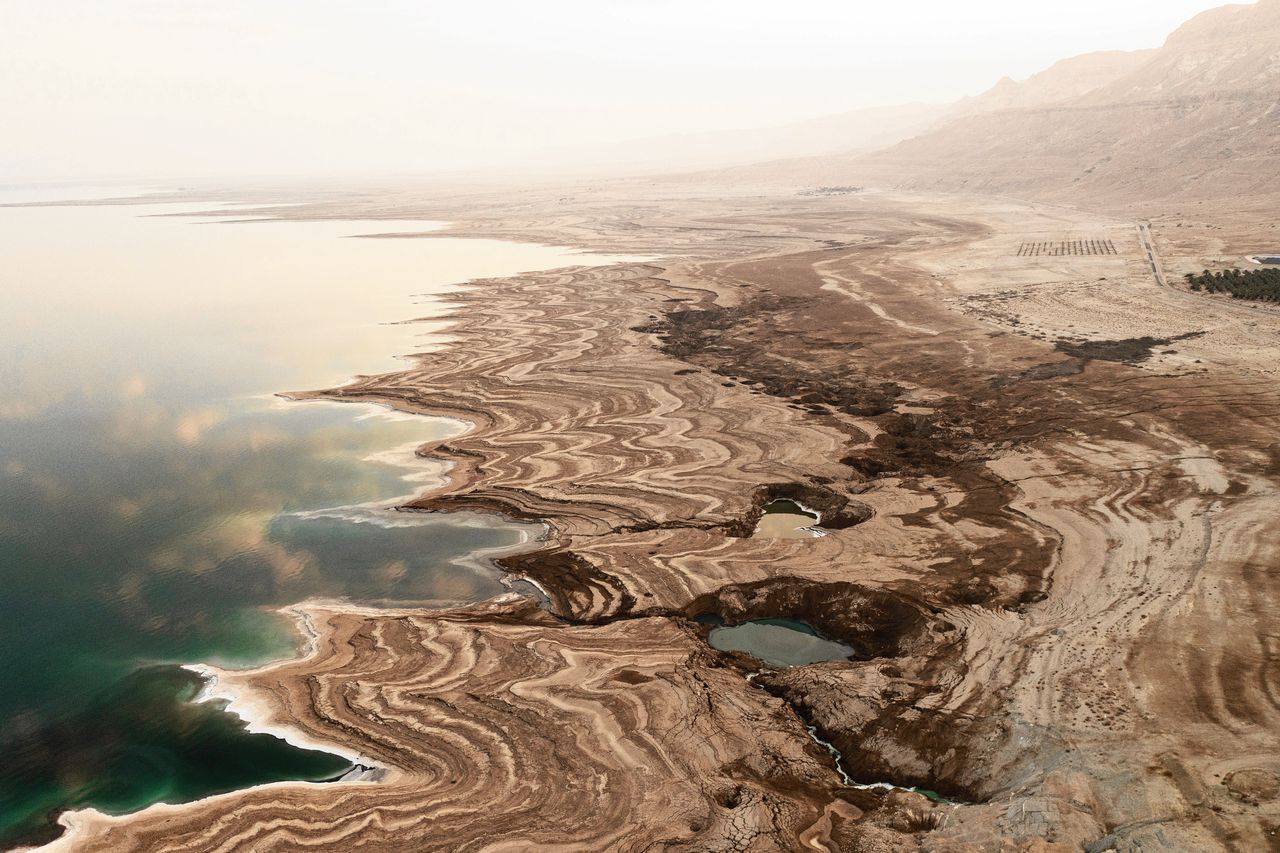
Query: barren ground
1049,486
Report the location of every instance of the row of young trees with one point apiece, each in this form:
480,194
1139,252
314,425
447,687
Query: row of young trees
1262,285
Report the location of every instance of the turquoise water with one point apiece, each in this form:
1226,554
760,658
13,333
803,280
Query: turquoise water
156,501
778,642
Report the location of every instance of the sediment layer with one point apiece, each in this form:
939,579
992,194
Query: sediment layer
1034,552
501,728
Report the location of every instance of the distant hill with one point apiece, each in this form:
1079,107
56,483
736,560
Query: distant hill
1197,118
857,131
854,132
1229,50
1065,80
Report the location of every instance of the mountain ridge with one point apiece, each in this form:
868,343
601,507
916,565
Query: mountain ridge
1196,119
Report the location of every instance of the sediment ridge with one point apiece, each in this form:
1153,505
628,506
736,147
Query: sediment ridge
1031,563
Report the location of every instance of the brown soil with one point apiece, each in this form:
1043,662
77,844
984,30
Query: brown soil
1058,576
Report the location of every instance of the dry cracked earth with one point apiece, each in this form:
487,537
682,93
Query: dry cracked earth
1049,487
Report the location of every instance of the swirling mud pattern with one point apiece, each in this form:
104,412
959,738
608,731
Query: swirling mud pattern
1033,553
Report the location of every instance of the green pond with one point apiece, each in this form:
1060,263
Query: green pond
157,501
778,642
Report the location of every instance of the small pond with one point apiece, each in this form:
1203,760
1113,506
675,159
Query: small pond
778,642
785,519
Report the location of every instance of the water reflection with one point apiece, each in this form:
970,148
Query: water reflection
155,503
778,642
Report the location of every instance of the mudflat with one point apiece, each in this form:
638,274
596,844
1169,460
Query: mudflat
1048,485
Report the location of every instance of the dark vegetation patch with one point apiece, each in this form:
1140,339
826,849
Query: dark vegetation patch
740,342
1256,285
737,343
952,442
914,445
1127,351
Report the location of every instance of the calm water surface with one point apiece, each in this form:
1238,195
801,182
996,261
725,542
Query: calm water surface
156,500
778,642
785,519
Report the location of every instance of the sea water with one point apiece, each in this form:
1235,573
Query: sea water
157,501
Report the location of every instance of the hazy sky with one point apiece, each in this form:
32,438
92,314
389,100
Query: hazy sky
249,87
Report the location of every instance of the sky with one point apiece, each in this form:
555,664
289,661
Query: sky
179,88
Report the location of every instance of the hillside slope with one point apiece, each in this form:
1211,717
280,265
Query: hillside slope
1198,118
1064,80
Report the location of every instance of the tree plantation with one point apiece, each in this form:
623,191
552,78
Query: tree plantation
1261,285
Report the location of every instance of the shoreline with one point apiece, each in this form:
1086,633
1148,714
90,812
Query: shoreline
245,701
647,412
426,473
